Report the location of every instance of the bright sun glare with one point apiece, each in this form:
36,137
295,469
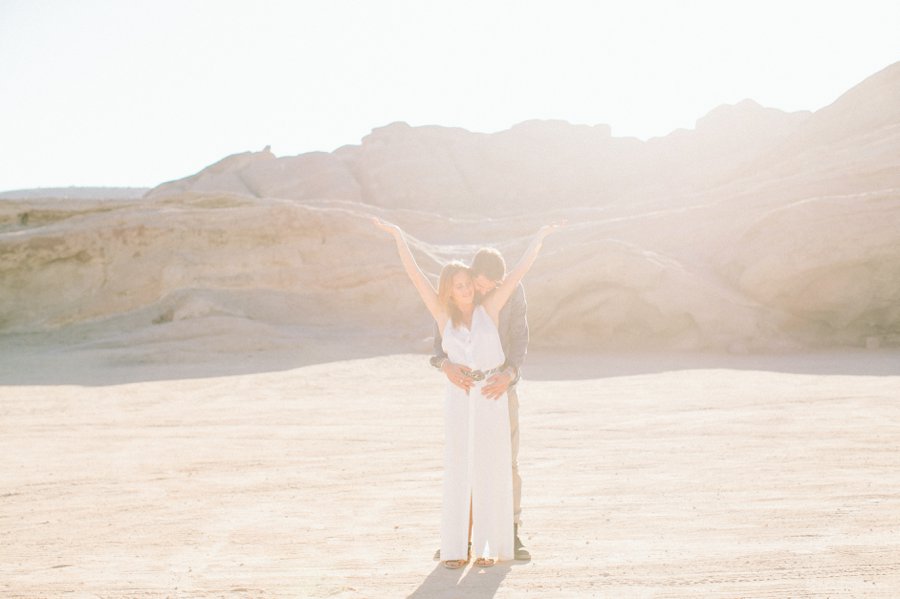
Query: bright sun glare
107,93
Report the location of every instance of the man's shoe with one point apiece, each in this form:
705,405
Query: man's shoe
521,553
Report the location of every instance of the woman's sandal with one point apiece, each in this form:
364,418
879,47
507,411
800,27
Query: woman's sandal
484,562
456,564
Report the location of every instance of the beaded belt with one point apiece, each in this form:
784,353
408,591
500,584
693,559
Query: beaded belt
480,375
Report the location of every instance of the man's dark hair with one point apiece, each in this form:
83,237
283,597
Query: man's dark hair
490,263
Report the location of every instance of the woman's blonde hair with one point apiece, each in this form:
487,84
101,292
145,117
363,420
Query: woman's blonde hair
445,286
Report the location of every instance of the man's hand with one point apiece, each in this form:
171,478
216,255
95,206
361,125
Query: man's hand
456,374
496,385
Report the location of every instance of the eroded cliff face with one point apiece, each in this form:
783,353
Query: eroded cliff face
757,230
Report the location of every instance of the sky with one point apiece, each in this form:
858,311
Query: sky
112,93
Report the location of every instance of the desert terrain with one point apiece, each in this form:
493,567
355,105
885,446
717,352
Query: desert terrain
644,476
219,387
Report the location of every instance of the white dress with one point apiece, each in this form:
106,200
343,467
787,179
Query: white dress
476,450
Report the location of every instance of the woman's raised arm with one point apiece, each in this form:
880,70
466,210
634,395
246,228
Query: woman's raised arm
426,290
495,301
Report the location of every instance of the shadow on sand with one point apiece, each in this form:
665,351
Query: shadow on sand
547,366
471,583
70,358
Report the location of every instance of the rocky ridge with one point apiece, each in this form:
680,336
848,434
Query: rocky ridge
757,230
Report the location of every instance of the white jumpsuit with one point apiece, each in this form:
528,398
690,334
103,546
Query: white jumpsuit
476,450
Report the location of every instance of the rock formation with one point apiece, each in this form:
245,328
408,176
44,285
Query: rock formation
756,230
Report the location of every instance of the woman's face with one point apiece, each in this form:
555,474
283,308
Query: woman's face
462,291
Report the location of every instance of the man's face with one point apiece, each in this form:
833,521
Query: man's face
484,285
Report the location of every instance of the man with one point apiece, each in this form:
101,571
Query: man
488,270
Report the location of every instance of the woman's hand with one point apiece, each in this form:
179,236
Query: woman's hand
458,375
546,230
387,227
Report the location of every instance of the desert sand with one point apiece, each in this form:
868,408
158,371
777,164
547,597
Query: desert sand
652,475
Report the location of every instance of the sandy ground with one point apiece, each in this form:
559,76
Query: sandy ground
644,476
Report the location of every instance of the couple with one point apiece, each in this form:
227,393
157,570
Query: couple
477,505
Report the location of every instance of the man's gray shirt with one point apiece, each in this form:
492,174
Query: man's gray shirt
513,330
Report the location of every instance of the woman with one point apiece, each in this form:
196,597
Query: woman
477,501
